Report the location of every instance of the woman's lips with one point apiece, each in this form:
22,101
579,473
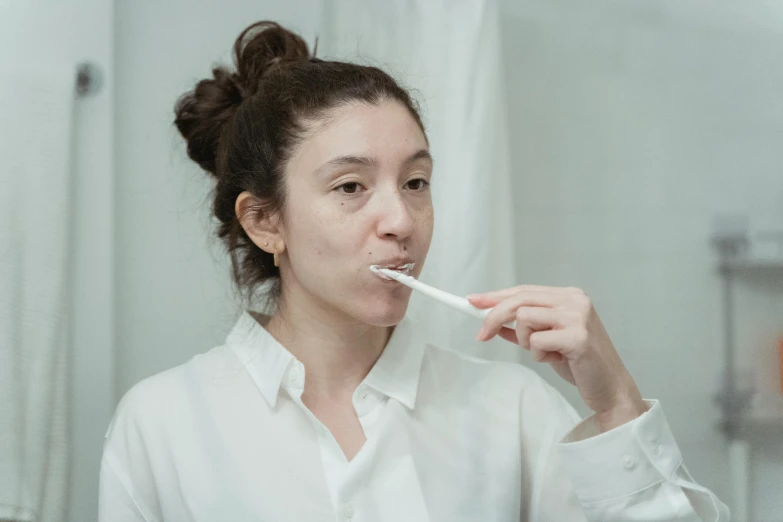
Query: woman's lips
406,269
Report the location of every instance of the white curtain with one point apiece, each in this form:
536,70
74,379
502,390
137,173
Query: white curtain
36,104
449,53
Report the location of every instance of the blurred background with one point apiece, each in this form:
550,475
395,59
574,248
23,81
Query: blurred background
633,149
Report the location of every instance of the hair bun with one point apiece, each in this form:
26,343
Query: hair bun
201,114
263,47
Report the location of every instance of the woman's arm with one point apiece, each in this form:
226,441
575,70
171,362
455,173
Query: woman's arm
633,472
623,462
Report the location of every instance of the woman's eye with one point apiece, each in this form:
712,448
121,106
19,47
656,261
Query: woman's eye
418,184
349,188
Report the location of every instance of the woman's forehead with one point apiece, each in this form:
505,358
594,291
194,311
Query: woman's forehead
381,133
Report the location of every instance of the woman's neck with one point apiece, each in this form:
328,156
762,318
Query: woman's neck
337,351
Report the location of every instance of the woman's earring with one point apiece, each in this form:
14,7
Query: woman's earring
275,256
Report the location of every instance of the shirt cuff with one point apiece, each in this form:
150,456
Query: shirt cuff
624,460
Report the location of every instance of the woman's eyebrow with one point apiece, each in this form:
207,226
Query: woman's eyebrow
364,161
345,160
421,154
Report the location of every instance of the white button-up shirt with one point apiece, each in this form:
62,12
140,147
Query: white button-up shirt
450,437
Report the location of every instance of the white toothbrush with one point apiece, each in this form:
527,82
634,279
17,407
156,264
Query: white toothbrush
456,302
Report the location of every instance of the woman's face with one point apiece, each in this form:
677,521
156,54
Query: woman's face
357,195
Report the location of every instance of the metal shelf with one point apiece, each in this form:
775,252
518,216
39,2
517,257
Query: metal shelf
743,263
746,415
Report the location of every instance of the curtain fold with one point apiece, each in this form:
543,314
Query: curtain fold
36,109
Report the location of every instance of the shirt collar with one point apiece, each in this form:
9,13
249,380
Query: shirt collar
265,359
395,373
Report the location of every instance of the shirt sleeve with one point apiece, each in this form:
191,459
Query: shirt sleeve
633,472
126,488
116,501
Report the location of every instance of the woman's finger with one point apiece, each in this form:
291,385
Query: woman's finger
548,357
552,357
499,295
506,310
564,341
521,299
509,335
528,318
531,319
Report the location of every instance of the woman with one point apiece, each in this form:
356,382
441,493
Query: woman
333,407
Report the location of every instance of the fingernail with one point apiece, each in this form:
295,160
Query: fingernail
480,335
472,296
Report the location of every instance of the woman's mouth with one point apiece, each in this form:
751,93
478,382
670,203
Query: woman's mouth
405,269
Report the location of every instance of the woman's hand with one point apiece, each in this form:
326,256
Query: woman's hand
561,327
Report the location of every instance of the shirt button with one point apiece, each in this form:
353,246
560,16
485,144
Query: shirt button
657,450
293,375
628,462
347,511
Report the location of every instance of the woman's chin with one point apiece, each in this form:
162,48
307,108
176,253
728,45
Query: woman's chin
378,305
384,314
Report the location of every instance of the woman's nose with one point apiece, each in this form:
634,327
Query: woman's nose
395,216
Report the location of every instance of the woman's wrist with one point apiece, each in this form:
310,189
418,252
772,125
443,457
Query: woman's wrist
625,411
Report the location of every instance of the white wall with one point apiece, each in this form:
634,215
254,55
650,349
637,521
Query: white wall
173,286
634,123
71,32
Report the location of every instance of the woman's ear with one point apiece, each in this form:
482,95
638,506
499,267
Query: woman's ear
262,229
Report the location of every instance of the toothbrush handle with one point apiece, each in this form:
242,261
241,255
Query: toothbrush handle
456,302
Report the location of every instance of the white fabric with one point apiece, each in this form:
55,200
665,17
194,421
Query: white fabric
36,104
368,403
450,437
449,53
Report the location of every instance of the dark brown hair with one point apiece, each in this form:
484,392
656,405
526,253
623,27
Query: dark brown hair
242,126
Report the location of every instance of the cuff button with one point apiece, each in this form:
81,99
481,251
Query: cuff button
628,462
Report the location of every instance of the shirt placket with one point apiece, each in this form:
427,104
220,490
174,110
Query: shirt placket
368,405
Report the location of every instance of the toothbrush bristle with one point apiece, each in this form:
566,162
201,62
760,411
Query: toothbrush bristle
389,273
